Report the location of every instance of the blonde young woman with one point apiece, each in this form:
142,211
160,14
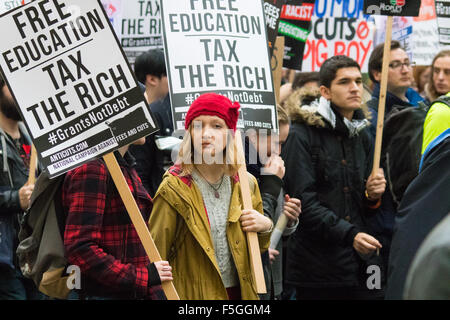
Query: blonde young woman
197,221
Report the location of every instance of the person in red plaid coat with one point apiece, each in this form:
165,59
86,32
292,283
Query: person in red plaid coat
100,238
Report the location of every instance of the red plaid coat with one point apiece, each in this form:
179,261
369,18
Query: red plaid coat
99,236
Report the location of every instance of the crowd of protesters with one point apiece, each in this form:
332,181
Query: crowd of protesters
346,236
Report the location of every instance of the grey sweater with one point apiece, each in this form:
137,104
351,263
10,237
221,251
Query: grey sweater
217,209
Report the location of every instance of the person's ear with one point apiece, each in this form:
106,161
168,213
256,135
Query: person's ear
325,92
377,75
151,80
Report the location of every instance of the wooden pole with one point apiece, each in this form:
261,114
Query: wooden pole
137,219
277,65
382,99
33,165
291,76
252,237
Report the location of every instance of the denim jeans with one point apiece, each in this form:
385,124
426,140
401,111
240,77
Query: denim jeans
14,286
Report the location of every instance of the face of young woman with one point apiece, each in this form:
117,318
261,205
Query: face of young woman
209,136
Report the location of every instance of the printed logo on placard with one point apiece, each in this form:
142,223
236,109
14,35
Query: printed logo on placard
399,3
394,6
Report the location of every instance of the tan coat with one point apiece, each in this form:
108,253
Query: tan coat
181,231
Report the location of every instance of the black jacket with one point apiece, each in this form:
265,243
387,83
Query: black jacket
162,111
327,169
13,176
424,204
151,161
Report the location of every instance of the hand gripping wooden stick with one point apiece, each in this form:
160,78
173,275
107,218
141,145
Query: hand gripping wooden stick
137,219
382,99
252,237
33,164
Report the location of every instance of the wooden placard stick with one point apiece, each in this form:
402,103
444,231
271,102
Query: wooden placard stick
33,165
137,219
382,99
291,76
252,237
277,65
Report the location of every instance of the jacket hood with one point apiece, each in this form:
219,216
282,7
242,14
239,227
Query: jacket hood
301,106
319,112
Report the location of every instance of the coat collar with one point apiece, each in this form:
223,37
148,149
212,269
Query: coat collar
329,113
391,99
186,194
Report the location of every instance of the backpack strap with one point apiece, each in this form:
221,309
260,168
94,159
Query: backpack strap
443,99
422,105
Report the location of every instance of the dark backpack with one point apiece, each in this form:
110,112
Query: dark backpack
41,248
402,146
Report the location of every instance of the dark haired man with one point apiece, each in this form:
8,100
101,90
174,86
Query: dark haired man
150,69
306,79
15,149
328,157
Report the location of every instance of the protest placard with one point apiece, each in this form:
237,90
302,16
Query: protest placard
403,8
402,31
219,46
443,21
71,81
137,24
339,28
272,11
76,92
425,37
295,26
277,65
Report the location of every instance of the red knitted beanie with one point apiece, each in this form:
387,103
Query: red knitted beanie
213,104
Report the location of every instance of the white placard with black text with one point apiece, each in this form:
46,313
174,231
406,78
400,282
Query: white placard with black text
219,46
72,82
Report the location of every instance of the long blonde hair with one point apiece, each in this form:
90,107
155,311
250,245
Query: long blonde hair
186,159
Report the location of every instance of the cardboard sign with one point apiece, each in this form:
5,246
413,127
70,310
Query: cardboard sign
425,39
71,81
338,28
219,46
272,11
137,24
406,8
443,21
295,26
277,65
402,31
